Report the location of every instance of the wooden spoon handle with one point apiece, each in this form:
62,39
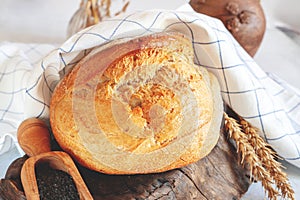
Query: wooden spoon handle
34,137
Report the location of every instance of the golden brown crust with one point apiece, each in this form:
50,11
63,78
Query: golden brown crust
137,106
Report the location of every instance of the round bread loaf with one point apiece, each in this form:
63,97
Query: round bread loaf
137,106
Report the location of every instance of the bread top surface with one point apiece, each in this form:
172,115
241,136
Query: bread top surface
136,106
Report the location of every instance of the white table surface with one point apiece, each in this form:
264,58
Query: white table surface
34,21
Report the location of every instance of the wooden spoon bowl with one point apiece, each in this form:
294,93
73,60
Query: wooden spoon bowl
34,139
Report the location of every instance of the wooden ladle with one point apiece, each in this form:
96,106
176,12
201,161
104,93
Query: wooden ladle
34,139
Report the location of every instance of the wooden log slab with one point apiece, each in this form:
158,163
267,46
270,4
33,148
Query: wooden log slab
217,176
11,187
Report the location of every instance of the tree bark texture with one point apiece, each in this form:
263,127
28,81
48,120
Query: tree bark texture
217,176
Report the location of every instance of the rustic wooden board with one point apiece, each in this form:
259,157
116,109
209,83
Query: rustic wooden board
217,176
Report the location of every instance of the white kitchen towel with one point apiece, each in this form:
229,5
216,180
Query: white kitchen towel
264,100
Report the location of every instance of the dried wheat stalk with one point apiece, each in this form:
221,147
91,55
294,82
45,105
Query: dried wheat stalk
101,8
92,12
260,157
267,155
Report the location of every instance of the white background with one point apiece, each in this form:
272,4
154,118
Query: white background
35,21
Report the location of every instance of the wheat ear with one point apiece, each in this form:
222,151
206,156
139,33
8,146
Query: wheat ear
268,156
260,158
